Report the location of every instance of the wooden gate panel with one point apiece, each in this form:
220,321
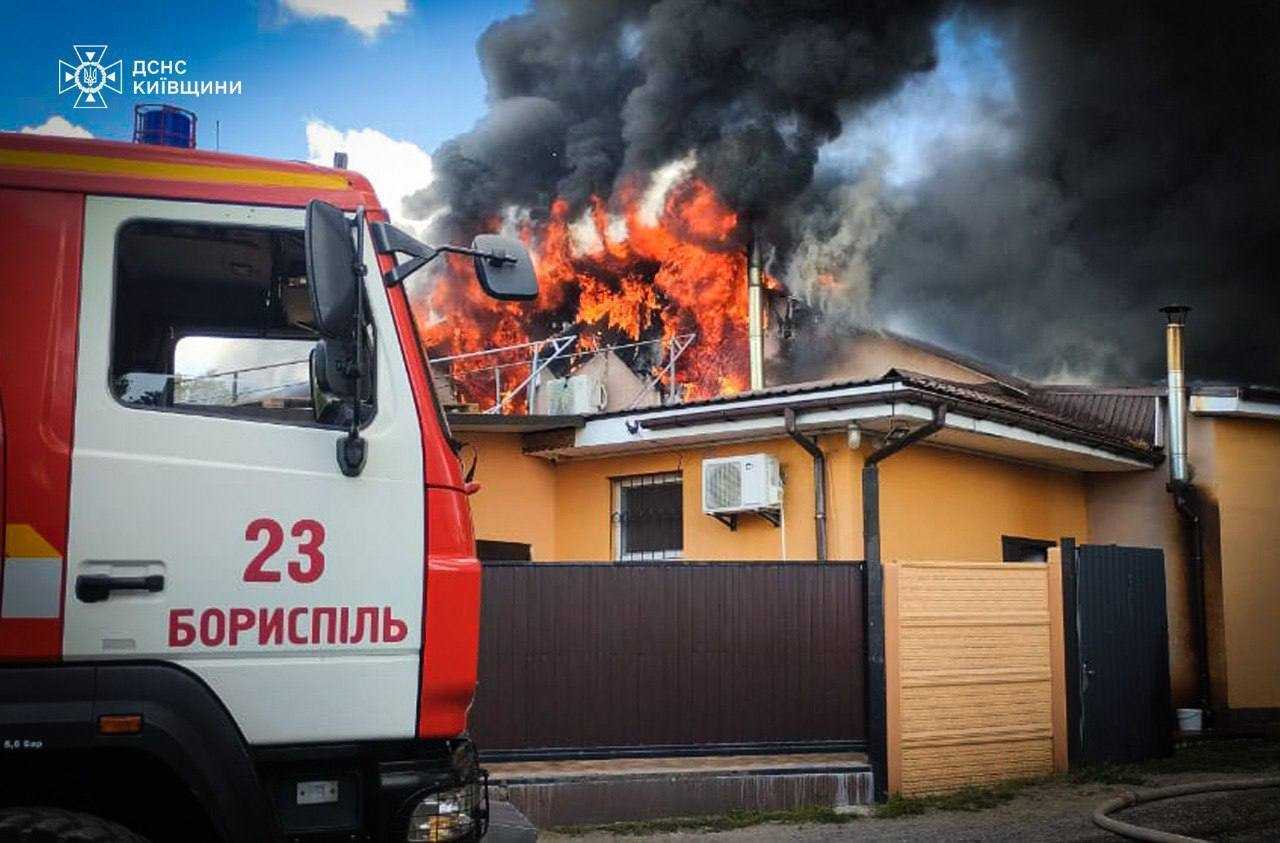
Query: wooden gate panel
974,673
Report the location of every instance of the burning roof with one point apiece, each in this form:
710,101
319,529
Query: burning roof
641,267
1135,165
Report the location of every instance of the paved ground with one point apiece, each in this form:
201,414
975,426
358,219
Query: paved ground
1042,812
1054,810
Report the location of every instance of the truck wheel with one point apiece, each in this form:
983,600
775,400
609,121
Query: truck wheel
54,825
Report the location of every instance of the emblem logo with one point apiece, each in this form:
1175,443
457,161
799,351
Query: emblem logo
90,76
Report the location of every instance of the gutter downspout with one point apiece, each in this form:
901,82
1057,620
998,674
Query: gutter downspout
873,606
1187,503
819,482
1185,498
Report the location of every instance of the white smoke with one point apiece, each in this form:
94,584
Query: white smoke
830,267
661,181
584,236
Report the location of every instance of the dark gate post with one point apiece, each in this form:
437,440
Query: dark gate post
877,714
877,726
1071,638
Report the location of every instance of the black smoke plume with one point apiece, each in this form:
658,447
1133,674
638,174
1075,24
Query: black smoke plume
1147,171
584,93
1144,167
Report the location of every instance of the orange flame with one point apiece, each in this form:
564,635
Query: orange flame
614,275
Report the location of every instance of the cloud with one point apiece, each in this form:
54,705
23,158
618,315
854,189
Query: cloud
966,104
59,126
396,168
366,16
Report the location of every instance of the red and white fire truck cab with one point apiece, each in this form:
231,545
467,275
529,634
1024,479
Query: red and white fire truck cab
240,598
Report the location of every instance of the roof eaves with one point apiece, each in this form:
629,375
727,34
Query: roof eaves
1029,416
968,400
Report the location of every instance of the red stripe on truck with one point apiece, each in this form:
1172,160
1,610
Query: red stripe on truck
451,627
39,299
451,573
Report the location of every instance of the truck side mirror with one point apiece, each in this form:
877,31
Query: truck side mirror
335,277
504,268
331,274
502,265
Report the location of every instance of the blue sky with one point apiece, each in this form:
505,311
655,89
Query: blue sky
966,102
388,80
415,78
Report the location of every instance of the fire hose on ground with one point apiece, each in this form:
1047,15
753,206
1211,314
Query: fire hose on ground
1130,800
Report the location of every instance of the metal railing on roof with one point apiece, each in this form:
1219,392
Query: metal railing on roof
237,392
542,353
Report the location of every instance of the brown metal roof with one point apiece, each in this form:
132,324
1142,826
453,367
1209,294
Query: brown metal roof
1114,418
990,400
1130,414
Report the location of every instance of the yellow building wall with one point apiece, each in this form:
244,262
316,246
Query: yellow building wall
584,493
1135,508
1247,486
517,497
869,355
937,503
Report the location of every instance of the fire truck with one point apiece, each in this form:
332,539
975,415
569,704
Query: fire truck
240,596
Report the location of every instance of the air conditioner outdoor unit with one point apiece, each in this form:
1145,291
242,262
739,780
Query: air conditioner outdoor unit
750,483
577,395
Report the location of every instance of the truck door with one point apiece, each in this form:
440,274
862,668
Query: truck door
210,524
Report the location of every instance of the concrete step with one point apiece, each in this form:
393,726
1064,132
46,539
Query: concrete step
559,793
508,825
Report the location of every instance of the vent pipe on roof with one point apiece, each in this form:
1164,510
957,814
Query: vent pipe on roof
1185,498
755,313
1179,471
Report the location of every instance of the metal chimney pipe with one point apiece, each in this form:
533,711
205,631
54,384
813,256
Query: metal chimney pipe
1179,471
1186,499
755,313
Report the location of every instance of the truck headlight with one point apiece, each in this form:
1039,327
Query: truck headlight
445,815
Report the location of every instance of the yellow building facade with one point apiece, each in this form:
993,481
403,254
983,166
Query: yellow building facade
935,503
997,470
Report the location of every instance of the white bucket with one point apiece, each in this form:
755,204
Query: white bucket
1189,719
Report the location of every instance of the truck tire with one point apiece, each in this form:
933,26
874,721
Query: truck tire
54,825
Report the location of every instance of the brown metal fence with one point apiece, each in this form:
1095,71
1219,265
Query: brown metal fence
588,659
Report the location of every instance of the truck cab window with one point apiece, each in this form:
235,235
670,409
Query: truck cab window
214,319
239,371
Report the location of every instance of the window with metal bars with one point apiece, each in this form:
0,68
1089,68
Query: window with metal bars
648,517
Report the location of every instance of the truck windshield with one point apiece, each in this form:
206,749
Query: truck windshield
442,392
